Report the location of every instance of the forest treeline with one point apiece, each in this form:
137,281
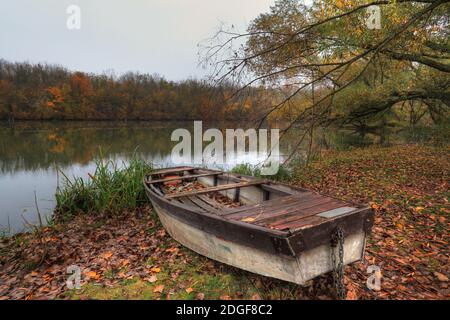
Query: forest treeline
50,92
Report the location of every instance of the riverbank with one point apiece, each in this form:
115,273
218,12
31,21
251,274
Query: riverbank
130,256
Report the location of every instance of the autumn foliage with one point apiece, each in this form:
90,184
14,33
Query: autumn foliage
46,92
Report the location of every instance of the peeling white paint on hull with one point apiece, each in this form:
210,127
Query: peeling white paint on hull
308,265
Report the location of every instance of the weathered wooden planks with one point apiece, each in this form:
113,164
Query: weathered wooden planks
243,211
172,170
278,206
203,205
215,189
302,209
305,217
289,212
186,177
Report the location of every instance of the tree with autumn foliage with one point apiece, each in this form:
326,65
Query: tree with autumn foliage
333,69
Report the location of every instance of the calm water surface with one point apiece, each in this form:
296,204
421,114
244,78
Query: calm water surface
32,153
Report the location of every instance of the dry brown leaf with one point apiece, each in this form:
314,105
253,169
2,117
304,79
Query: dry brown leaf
248,219
441,277
152,279
256,296
200,296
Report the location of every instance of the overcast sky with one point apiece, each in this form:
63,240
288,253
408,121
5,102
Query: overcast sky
149,36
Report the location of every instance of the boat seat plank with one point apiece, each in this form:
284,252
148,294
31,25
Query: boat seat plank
186,177
174,170
215,189
336,212
300,224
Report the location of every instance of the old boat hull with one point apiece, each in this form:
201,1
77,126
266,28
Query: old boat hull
307,266
294,242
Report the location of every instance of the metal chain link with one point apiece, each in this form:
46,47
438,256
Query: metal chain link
337,241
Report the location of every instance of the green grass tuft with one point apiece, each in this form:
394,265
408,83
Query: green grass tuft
110,190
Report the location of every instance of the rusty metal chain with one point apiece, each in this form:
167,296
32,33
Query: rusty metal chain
337,241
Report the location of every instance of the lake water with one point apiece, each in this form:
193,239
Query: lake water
32,153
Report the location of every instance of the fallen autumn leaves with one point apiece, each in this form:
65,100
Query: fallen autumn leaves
97,247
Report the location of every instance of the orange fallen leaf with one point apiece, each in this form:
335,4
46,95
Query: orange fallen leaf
93,275
155,270
159,289
189,290
351,293
225,297
107,255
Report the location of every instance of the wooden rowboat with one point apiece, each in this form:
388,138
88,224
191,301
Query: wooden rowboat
260,226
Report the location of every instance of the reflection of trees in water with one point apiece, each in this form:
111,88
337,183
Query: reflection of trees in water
31,146
42,145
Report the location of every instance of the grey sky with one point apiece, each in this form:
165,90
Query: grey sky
149,36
